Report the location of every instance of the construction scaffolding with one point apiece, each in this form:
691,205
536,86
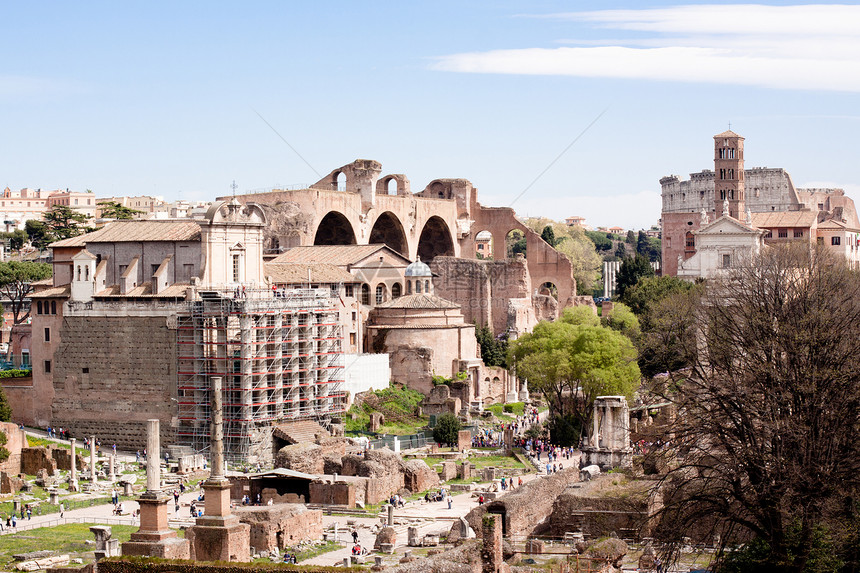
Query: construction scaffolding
279,353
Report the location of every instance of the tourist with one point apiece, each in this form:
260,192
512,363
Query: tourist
62,510
29,512
450,501
481,499
137,456
14,521
355,536
520,482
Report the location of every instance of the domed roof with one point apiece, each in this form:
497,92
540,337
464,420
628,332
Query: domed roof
418,269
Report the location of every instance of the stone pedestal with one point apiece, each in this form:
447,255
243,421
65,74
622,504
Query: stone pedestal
155,538
218,535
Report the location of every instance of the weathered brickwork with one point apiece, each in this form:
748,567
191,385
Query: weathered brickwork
114,373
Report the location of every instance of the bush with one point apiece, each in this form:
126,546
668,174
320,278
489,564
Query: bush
447,429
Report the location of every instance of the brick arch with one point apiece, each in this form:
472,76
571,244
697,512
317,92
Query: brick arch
388,229
334,229
435,240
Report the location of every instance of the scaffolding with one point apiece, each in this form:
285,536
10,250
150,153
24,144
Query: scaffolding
279,353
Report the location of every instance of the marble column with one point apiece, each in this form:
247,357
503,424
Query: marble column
73,478
153,456
93,459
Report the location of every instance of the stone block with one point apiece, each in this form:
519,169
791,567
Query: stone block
535,547
449,471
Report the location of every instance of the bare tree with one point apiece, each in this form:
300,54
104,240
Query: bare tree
768,429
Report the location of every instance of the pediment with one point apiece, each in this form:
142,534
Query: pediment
726,225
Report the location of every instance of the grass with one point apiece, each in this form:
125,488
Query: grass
498,410
398,405
69,538
497,461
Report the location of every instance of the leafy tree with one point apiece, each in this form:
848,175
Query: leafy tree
622,320
16,238
447,429
642,295
15,284
643,247
574,360
516,243
39,234
631,238
769,409
114,210
620,250
573,243
579,315
548,235
632,270
600,240
493,350
64,222
5,410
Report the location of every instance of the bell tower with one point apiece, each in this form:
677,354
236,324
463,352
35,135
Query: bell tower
729,174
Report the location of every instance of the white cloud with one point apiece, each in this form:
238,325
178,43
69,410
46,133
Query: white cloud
783,47
18,86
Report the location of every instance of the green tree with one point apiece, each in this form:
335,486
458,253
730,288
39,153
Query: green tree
642,295
39,234
64,222
548,235
572,361
494,351
631,271
643,246
114,210
600,240
621,250
16,238
5,408
631,238
574,244
769,423
447,429
16,278
622,320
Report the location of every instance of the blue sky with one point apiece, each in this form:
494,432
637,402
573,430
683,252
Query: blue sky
159,98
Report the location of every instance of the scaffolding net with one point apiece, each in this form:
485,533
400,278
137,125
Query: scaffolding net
279,354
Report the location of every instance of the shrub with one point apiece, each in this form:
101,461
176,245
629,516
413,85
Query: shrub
446,430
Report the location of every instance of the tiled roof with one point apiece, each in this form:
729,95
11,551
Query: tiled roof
340,255
728,133
135,231
296,273
419,301
176,290
773,219
48,281
834,224
52,292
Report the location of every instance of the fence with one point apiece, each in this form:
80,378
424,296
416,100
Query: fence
397,443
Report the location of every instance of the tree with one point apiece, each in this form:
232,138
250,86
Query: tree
64,222
16,238
39,234
114,210
621,250
631,238
600,240
494,351
622,320
548,235
5,408
573,243
631,271
643,246
574,360
768,432
447,429
15,284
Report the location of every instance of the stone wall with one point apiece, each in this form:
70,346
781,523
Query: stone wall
111,374
338,493
591,508
35,459
280,526
14,443
527,510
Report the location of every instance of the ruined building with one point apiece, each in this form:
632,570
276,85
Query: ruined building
761,206
357,205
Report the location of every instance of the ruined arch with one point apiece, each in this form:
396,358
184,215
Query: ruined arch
388,230
484,245
548,288
334,229
516,244
435,240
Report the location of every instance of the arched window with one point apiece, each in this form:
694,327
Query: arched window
408,287
417,286
365,295
427,286
380,294
396,290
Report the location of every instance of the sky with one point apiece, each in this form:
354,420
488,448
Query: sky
553,108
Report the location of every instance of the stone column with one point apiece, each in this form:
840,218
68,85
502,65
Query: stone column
93,459
217,487
390,515
73,478
594,427
608,428
112,466
153,457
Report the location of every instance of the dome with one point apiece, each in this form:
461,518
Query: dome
418,269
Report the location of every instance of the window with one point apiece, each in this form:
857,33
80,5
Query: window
47,335
365,295
154,268
188,271
352,338
349,290
235,268
798,233
76,201
427,286
47,366
39,307
417,287
353,316
782,233
480,246
85,370
396,290
122,269
727,261
835,241
408,287
53,307
380,294
769,234
690,241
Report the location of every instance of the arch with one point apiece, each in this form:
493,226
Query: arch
484,245
435,240
388,230
334,229
338,181
548,288
365,294
380,293
396,290
516,244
